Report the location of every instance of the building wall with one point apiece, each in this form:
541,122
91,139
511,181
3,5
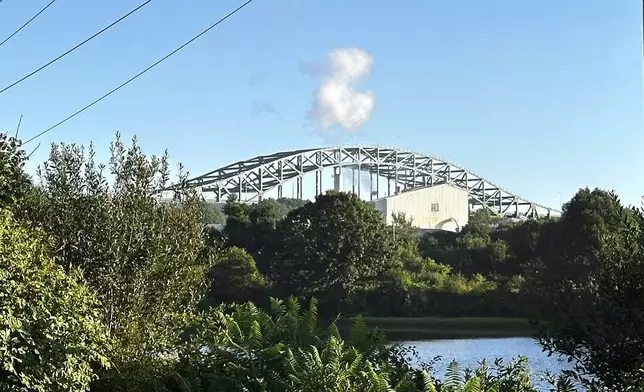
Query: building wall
452,206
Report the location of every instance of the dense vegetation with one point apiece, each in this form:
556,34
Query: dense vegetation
105,288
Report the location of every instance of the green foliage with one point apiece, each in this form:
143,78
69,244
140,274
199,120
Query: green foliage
407,284
245,348
252,226
150,263
291,204
586,293
212,215
245,221
234,277
14,183
479,224
237,220
143,257
51,335
406,237
414,285
305,264
512,377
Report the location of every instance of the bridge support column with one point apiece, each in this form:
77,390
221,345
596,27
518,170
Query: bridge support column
279,191
318,182
261,185
359,179
353,180
318,174
337,179
299,188
378,182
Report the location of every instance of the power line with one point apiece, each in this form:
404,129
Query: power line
142,72
75,47
27,22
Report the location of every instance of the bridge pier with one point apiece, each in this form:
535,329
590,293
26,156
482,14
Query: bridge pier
337,178
353,180
318,182
299,188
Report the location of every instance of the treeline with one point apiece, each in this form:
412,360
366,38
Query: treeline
280,248
104,287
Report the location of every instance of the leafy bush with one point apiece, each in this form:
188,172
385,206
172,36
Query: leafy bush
241,347
14,183
234,277
51,336
586,294
143,257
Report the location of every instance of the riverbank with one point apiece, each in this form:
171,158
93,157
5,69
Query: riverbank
422,328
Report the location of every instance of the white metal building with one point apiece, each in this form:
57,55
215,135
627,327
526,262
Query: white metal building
441,207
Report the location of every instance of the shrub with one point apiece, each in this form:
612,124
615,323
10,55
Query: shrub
51,337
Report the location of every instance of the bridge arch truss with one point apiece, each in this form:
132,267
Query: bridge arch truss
249,180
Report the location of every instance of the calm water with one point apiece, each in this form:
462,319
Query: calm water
467,352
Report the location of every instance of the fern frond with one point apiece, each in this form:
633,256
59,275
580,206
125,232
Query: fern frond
255,337
428,383
277,306
453,376
358,331
473,385
293,306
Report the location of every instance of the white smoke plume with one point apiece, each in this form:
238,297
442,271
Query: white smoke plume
336,102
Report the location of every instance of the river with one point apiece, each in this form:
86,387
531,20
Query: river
467,352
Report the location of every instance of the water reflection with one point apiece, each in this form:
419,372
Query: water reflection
468,352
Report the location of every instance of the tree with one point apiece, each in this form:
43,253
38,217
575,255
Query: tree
291,204
497,254
234,277
479,224
237,221
331,248
252,226
51,335
14,182
525,243
587,295
212,215
406,236
263,219
142,256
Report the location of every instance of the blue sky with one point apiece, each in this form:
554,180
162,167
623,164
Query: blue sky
540,97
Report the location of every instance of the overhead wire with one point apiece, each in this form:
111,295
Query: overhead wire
142,72
27,22
32,73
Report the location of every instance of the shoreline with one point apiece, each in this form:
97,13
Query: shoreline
429,328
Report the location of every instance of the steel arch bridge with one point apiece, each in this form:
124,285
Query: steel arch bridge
249,180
